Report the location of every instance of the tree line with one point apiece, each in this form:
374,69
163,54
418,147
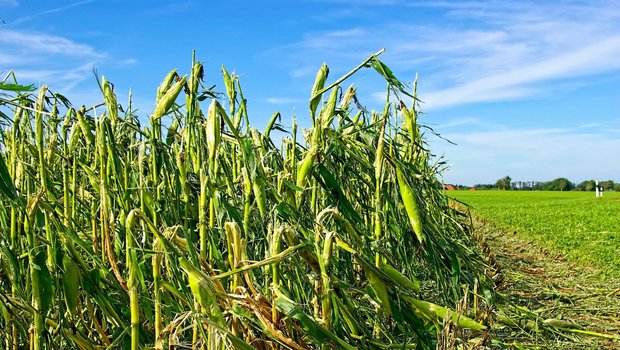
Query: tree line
559,184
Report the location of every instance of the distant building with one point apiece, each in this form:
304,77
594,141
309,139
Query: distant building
449,187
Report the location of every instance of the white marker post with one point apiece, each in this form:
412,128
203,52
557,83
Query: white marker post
599,190
596,187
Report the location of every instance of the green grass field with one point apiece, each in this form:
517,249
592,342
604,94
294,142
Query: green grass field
584,229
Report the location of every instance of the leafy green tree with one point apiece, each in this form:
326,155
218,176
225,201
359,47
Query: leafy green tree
606,185
587,185
484,186
559,184
503,183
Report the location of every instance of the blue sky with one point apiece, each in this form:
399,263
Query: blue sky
526,89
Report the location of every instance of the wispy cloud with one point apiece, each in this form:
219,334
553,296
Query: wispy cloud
591,125
47,12
9,3
303,71
41,43
534,46
460,122
127,62
504,51
43,58
519,82
282,100
64,79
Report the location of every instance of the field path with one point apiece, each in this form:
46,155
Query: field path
554,289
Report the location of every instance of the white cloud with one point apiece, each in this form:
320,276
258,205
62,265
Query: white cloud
462,121
503,51
332,39
517,83
62,63
46,12
128,62
591,125
35,43
42,58
282,100
64,79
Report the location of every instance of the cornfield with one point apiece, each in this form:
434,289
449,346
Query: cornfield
198,231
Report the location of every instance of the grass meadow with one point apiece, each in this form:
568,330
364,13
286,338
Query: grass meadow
583,228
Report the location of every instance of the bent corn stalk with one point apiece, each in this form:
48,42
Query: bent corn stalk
221,237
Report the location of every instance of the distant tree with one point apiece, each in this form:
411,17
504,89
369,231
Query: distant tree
534,185
564,184
517,185
617,187
606,185
559,184
587,185
503,183
484,186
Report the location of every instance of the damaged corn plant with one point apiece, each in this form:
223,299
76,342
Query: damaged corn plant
196,230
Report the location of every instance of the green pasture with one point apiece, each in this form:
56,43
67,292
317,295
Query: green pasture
583,228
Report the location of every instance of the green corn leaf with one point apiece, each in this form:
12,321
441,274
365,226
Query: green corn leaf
318,333
331,184
436,313
17,87
6,183
5,312
45,282
401,280
10,262
386,72
377,283
411,204
71,283
272,121
202,288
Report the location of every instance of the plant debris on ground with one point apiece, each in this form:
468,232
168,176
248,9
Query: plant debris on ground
549,303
